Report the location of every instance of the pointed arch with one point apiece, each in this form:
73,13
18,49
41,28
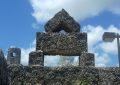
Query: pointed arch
62,21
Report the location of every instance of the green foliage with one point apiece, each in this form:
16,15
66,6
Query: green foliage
81,82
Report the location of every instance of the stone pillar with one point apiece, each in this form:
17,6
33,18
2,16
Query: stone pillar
14,56
3,70
87,59
36,58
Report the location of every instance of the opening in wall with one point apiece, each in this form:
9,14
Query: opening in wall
60,61
13,54
62,31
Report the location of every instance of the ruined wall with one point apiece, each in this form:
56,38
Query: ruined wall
37,75
3,70
54,43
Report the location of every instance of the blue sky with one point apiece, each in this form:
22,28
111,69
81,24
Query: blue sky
21,19
16,23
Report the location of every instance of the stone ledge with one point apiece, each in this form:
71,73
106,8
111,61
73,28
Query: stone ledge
62,44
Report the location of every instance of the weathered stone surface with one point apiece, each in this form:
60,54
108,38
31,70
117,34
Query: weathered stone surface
16,74
62,21
36,58
87,59
37,75
3,70
14,56
54,76
62,44
109,76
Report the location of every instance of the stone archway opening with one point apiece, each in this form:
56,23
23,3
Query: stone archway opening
60,61
62,31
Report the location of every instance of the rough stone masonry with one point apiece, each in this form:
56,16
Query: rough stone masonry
3,70
54,41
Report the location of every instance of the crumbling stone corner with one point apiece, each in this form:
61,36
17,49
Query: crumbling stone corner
14,56
87,59
3,70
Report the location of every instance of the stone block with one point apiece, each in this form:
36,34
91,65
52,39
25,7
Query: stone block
72,44
36,58
87,59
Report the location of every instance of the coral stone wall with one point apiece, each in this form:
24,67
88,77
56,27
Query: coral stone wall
37,75
62,21
73,42
62,44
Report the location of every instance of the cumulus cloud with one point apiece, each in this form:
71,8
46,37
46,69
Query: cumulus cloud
111,47
79,9
101,49
58,60
25,53
102,59
51,60
94,35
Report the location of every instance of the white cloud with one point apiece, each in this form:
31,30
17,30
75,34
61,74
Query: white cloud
109,47
25,53
79,9
101,49
94,35
35,25
102,59
55,60
115,7
112,46
51,60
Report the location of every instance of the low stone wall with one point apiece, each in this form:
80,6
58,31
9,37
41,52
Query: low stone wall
109,76
37,75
